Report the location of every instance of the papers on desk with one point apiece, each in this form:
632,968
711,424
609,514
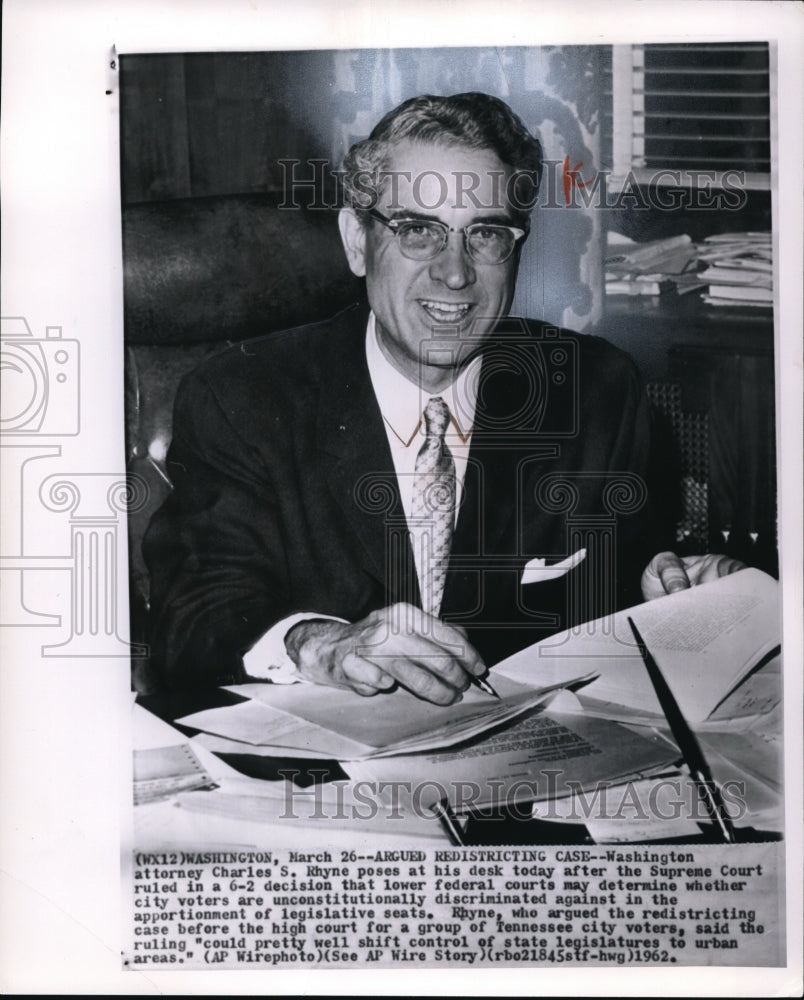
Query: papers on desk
160,772
334,723
706,640
740,269
542,756
730,268
650,268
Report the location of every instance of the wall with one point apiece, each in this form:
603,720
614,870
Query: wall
218,123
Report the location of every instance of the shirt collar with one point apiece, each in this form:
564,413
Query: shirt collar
402,402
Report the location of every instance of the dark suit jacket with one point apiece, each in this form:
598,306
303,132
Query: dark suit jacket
285,497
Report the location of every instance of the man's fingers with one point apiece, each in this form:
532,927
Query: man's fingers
400,644
430,656
364,690
709,567
432,677
362,675
455,639
728,565
671,572
667,574
405,630
451,640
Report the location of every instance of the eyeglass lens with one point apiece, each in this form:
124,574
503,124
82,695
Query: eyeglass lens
488,244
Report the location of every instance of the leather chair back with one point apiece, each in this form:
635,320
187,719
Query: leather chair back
200,274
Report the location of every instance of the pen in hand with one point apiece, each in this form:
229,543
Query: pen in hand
484,685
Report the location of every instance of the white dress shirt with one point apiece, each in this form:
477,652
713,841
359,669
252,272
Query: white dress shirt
402,405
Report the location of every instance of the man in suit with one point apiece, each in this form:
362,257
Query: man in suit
412,490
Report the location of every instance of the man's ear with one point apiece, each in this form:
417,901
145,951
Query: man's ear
353,237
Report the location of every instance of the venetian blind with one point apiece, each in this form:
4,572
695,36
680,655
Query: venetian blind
687,107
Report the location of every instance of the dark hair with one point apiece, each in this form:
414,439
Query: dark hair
470,121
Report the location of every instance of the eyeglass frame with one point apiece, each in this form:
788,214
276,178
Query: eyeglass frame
394,225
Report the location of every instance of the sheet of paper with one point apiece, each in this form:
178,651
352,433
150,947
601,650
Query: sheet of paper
705,640
641,810
224,745
460,729
386,718
538,757
755,755
759,694
253,722
336,723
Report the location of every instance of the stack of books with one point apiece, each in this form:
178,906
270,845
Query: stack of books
739,269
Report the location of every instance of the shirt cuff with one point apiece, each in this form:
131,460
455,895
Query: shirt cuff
269,660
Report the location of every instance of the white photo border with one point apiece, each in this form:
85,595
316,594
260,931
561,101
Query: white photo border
64,748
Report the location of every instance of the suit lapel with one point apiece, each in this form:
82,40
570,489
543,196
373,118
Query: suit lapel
357,463
359,470
503,448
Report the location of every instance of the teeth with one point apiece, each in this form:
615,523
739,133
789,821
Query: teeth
446,310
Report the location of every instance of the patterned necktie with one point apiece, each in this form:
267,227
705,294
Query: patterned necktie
433,508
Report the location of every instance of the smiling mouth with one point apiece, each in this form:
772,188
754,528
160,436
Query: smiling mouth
446,312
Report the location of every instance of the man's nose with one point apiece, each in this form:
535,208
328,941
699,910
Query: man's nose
453,266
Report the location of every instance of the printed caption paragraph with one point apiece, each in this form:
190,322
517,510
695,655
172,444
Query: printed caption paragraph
699,905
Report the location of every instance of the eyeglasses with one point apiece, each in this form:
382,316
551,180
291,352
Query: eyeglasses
487,243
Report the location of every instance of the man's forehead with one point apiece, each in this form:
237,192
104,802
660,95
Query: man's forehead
424,177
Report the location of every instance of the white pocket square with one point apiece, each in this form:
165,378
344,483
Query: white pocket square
536,571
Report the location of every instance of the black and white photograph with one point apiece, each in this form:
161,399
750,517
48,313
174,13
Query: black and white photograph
402,507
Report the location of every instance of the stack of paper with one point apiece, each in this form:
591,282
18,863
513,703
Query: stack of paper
541,743
717,647
706,640
546,755
310,720
739,269
650,268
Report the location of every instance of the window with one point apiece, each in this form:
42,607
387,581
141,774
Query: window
687,108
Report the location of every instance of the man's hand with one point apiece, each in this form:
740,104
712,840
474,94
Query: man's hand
666,572
399,644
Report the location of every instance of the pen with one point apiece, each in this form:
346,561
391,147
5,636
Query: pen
449,823
707,789
483,685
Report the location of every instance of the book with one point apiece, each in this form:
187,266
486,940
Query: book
722,275
646,255
640,285
751,303
755,293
